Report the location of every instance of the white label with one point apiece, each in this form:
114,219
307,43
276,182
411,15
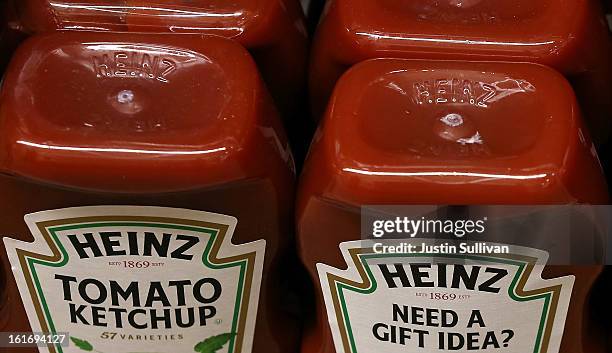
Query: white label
122,279
419,302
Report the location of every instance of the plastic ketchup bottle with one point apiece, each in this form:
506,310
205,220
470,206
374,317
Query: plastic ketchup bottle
404,132
156,186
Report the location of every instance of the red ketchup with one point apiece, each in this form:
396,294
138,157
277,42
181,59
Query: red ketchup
272,30
570,36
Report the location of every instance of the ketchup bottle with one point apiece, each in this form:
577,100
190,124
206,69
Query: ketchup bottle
272,30
404,132
568,35
156,185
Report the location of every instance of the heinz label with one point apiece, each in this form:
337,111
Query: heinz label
420,302
138,279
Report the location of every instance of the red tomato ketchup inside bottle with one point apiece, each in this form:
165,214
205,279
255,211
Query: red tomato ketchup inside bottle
568,35
156,186
402,132
272,30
